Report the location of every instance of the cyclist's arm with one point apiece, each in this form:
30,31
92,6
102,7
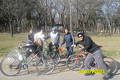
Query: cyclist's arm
87,43
35,37
77,43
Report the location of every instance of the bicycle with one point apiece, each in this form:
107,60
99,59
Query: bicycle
54,54
59,56
16,60
75,62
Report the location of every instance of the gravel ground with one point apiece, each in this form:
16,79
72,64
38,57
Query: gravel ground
61,73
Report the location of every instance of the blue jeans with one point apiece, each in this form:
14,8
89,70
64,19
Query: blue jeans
69,51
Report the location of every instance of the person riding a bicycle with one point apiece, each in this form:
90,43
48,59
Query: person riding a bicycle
69,41
30,43
39,40
55,39
30,36
94,52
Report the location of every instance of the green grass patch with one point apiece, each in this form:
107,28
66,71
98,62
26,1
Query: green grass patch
4,50
111,52
7,42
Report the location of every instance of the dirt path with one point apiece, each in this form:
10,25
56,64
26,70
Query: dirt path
62,73
69,75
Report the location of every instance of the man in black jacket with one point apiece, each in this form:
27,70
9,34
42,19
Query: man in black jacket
94,52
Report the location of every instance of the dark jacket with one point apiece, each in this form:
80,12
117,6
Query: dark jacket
31,37
88,44
68,39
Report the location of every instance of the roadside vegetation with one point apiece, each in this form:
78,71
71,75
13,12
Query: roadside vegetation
110,44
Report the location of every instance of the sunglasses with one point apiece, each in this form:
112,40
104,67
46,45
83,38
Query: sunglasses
80,36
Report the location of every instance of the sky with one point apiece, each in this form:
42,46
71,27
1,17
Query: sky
111,9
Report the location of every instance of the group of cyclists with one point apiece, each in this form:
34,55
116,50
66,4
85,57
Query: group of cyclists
88,44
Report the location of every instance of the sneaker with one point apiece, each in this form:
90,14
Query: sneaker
108,76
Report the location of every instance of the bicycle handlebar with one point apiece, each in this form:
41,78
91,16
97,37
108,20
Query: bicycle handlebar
60,48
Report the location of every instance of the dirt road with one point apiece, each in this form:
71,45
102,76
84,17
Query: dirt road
69,75
61,73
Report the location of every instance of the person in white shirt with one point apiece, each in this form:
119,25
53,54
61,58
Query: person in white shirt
38,36
55,39
39,39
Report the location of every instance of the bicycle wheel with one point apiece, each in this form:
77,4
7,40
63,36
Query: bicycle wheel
111,64
46,64
10,66
74,62
56,58
50,64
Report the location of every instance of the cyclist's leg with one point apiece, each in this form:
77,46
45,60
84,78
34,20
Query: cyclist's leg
57,45
99,60
88,60
69,51
28,54
40,50
50,46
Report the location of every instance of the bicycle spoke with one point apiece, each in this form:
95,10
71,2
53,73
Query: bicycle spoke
10,66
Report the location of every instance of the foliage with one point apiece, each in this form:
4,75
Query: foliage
89,15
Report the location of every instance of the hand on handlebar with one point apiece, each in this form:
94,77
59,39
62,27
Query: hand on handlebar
60,48
74,45
81,50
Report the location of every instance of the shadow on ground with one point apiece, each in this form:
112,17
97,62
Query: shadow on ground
62,67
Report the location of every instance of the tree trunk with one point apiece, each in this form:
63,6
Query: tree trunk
11,29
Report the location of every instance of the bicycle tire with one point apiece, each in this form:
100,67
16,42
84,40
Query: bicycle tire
56,58
74,62
12,66
112,64
46,65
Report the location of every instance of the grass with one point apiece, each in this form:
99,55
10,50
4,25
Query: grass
7,42
110,45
